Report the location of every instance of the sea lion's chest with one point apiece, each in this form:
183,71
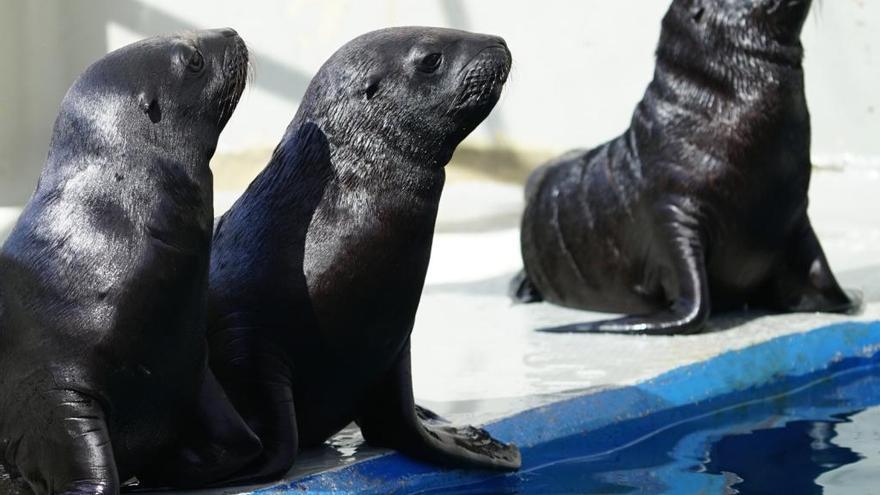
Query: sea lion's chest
364,266
736,155
746,173
364,270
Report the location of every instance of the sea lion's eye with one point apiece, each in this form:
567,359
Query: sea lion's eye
775,6
431,62
197,62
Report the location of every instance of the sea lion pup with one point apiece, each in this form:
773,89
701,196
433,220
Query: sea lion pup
317,271
703,200
103,281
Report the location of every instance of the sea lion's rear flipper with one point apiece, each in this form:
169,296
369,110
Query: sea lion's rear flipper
389,418
256,377
804,281
215,444
522,290
689,310
68,452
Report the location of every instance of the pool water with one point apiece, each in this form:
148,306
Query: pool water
822,437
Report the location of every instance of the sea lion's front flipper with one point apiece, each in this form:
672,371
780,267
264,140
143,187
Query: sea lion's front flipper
689,310
522,290
389,418
257,379
68,452
804,281
215,443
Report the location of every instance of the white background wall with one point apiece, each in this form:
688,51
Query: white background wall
580,65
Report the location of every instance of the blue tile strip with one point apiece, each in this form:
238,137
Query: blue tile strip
618,416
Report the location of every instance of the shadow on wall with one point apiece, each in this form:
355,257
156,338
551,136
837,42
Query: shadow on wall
46,44
274,75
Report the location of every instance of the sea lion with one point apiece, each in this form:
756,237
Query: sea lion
103,280
702,202
317,270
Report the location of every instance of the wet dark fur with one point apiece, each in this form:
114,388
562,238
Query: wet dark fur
317,271
103,365
702,202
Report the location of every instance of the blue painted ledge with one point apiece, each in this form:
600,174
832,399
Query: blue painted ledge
616,417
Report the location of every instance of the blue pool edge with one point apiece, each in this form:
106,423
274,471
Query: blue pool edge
621,415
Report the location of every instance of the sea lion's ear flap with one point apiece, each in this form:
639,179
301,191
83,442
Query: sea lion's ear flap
370,86
149,104
697,10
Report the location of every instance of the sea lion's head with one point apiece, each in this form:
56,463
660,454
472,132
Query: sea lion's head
172,94
415,91
755,21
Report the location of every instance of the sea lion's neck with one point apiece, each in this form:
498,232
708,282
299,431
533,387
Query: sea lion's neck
339,203
155,182
122,143
706,67
316,157
719,94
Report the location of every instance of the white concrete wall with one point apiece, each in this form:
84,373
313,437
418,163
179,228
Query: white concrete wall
580,65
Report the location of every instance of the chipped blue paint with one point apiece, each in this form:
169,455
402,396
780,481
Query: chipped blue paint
619,416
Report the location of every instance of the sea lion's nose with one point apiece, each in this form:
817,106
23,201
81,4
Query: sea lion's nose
490,40
226,32
498,42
